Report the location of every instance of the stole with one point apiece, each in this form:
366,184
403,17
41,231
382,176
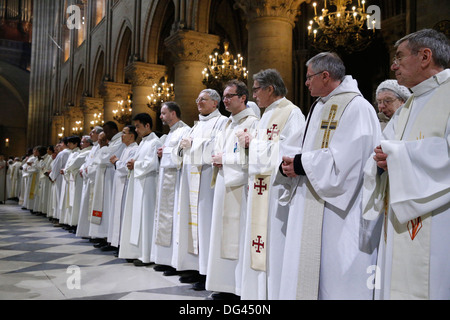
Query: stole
261,189
411,243
97,199
166,206
311,239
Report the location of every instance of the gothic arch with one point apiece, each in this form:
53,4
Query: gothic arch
98,73
79,86
122,52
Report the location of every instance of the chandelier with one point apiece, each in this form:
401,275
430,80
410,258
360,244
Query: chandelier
162,92
340,27
98,120
123,113
222,68
78,129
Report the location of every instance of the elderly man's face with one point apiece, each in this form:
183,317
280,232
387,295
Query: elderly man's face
407,66
388,103
205,104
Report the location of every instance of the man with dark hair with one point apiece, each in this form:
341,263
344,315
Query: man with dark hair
407,184
104,176
323,257
120,182
57,179
166,214
139,207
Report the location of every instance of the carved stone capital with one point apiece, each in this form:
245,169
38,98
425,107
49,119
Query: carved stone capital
113,91
91,105
144,74
188,45
282,9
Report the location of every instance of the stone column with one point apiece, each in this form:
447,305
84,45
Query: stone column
90,107
191,51
57,124
270,24
112,92
143,76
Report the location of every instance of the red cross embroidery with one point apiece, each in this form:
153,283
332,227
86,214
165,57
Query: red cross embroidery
262,186
272,133
258,244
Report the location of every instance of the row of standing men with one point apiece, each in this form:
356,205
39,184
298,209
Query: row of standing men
261,207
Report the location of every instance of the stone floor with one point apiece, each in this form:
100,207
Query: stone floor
41,262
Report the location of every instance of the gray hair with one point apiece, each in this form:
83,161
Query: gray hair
436,41
213,94
271,77
98,129
88,139
330,62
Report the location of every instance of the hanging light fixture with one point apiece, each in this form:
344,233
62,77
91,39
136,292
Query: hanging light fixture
124,111
98,120
224,67
161,92
340,26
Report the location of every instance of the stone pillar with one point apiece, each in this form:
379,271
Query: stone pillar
90,106
270,24
191,51
112,92
143,76
57,124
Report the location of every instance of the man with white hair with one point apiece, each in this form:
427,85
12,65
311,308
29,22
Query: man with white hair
390,96
407,184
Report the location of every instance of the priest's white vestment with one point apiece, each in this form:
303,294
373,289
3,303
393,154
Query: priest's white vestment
57,178
166,214
414,258
29,175
224,272
139,210
102,193
67,187
334,173
3,189
266,150
45,185
72,172
119,192
86,193
196,196
15,179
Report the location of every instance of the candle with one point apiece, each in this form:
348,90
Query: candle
7,143
315,10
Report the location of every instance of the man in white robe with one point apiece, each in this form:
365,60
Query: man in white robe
3,171
278,133
102,196
196,196
166,214
68,183
140,201
57,178
407,185
38,193
71,172
30,176
129,136
324,257
230,178
15,179
44,183
88,182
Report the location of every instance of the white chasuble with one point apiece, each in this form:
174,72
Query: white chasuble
139,208
166,215
230,205
266,150
196,195
323,258
414,256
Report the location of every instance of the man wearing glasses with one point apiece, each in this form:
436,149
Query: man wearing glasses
324,257
408,181
278,133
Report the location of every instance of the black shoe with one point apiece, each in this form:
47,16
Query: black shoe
101,244
192,277
162,267
199,286
108,248
224,296
171,272
139,263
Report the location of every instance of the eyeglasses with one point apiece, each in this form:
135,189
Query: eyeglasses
308,78
386,102
396,60
255,89
201,100
230,96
